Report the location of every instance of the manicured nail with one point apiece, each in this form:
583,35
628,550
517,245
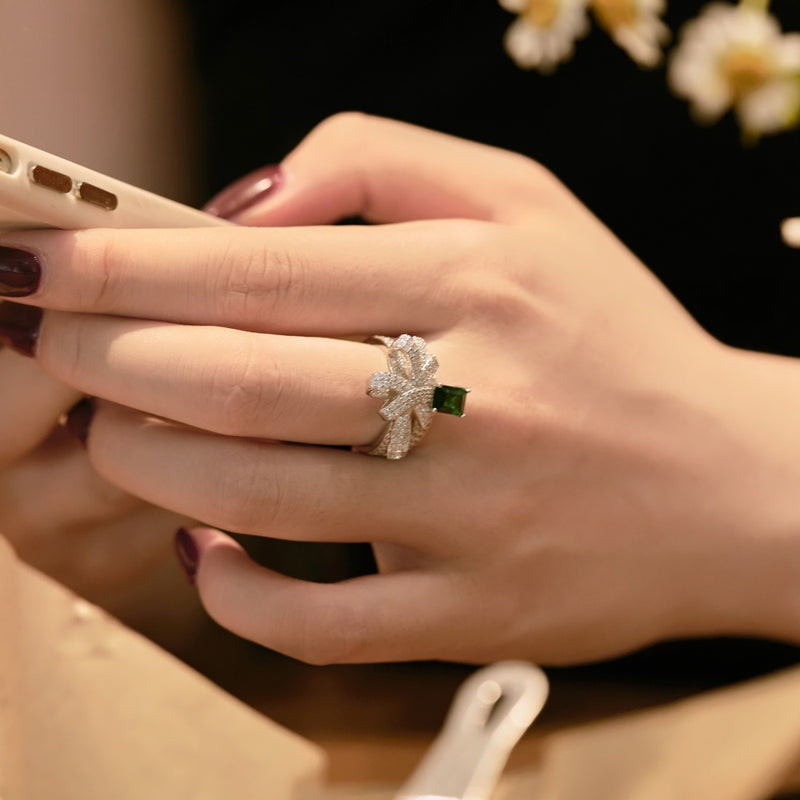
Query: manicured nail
245,192
79,418
19,327
188,554
20,272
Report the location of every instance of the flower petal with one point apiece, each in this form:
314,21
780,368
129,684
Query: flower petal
643,49
514,6
772,108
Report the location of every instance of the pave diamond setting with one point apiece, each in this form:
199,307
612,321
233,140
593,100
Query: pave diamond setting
411,395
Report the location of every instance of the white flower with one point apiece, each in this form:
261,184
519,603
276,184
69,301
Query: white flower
544,33
635,26
735,57
790,231
514,6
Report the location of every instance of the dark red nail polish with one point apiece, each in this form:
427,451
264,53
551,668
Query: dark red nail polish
19,327
20,272
188,554
79,418
245,192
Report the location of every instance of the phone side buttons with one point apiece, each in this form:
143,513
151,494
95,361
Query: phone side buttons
50,179
97,196
59,182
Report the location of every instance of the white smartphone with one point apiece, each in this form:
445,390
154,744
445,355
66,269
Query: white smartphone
40,190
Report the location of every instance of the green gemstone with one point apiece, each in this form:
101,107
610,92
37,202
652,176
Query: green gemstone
449,400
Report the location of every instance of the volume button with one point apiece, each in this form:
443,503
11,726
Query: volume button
50,179
97,196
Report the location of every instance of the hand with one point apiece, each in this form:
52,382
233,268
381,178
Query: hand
620,476
61,516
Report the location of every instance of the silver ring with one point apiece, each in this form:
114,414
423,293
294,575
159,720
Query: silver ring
411,395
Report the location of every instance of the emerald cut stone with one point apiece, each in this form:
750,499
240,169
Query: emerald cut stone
449,400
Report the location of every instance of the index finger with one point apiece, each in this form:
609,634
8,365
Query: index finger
321,281
356,165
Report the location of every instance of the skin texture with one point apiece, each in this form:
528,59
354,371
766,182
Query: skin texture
620,476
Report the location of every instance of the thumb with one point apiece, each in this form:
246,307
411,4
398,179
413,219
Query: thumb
354,165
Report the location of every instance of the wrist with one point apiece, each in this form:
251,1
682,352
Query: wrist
750,581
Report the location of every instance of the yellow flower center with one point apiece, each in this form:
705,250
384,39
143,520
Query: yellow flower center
541,13
613,14
745,70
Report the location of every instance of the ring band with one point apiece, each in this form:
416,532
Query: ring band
411,395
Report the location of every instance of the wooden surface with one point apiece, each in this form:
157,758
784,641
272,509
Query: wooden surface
376,721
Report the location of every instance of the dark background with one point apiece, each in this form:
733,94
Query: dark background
698,207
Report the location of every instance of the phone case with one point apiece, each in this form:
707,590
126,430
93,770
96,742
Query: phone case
40,190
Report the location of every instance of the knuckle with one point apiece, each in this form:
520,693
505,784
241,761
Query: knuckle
499,302
245,497
483,277
243,390
538,173
537,186
345,127
257,283
107,258
468,247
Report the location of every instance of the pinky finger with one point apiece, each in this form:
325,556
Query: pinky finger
395,617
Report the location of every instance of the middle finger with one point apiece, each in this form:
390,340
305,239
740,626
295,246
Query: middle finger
299,389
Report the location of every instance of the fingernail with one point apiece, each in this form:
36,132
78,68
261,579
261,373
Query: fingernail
79,418
188,554
245,192
19,327
20,272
